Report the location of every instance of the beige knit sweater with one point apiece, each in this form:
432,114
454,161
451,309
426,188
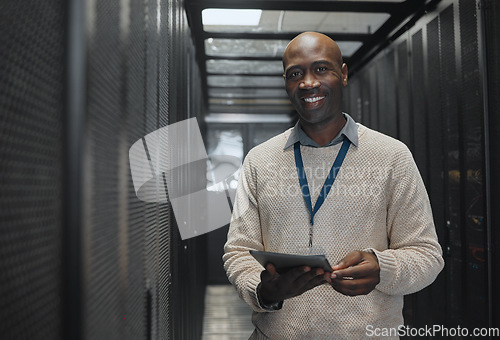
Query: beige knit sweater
378,202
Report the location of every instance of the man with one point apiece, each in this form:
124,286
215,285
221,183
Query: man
373,219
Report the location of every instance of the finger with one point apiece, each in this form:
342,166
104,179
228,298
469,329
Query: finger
303,279
354,287
271,268
368,267
314,282
350,287
295,273
269,274
351,259
309,275
357,272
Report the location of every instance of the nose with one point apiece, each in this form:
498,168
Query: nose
309,82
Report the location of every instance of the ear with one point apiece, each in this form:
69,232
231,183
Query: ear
344,74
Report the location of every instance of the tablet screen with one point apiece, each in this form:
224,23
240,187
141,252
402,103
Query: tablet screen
284,262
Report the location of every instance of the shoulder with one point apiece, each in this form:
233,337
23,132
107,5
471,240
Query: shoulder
378,144
385,153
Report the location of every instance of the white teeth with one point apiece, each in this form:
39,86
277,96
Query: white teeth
312,100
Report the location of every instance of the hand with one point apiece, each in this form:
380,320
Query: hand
356,274
275,287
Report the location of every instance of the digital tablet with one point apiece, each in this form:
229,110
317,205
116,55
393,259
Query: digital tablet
284,262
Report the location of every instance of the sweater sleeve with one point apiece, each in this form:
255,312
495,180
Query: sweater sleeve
244,234
414,258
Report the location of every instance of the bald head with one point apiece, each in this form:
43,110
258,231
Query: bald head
314,78
311,41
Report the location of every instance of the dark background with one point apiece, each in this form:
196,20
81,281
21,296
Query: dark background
82,258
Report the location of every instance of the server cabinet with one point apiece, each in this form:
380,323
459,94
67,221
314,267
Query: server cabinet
81,256
434,86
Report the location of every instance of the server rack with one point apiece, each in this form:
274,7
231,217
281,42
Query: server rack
81,256
430,89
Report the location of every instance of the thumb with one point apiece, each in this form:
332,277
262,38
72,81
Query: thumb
351,259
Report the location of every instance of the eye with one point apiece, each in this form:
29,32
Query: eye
321,69
294,74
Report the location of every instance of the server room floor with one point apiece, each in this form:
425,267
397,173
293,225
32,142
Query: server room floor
227,317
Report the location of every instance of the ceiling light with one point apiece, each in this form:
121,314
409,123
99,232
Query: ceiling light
234,17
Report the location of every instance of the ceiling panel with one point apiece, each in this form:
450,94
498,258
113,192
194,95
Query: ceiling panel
262,48
333,22
299,21
245,47
260,109
348,48
268,23
249,101
245,81
239,66
247,93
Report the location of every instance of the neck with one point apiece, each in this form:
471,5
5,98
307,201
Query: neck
324,133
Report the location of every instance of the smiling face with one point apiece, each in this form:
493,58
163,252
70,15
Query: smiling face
314,78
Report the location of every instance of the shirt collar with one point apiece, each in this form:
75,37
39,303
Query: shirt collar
350,131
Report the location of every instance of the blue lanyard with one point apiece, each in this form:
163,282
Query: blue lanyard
328,182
